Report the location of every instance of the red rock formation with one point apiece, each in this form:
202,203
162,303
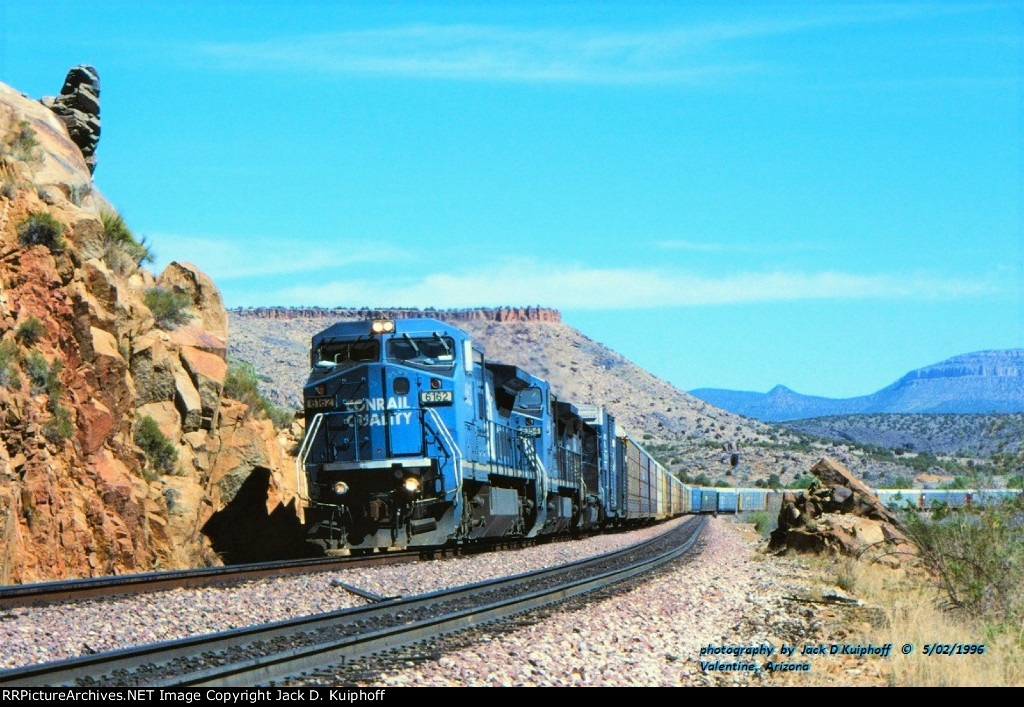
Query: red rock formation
78,496
488,314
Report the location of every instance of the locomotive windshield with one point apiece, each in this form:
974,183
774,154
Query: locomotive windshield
343,354
434,353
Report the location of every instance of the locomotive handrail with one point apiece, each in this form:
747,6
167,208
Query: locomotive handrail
448,439
301,485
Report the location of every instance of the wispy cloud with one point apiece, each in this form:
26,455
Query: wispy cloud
689,54
255,257
739,248
589,288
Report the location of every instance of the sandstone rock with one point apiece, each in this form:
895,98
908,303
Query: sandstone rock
187,399
85,508
202,293
78,106
843,517
868,532
152,369
166,416
57,160
208,372
96,422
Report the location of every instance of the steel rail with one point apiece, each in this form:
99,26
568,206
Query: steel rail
116,585
102,668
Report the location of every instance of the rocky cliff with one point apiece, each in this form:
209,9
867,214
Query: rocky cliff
118,446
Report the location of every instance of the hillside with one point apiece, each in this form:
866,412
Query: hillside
686,433
973,436
980,382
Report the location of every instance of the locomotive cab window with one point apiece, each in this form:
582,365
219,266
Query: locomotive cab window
431,353
344,354
530,400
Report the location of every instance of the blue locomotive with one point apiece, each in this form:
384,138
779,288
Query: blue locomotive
413,438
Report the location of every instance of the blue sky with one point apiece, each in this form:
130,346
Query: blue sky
732,194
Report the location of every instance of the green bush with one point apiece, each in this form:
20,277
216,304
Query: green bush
38,370
30,331
802,482
59,427
9,376
242,384
976,556
23,144
764,522
121,250
42,229
43,376
170,309
159,450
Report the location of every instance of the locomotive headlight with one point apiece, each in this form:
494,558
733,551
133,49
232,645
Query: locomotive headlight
382,326
340,488
412,484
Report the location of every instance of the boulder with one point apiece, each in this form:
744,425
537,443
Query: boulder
208,372
838,513
202,293
152,369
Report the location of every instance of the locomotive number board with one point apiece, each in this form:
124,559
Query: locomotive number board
436,397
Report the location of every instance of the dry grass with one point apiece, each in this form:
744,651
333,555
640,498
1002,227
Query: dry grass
909,604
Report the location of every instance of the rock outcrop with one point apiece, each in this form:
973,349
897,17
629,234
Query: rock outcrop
838,514
87,485
78,105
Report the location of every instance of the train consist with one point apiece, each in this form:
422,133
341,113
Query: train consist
414,438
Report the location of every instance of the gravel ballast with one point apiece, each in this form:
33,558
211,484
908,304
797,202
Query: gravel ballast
33,635
649,635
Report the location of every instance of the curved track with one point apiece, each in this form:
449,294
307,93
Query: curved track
263,653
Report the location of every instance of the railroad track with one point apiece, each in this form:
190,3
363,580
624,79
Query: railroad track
120,585
12,596
272,652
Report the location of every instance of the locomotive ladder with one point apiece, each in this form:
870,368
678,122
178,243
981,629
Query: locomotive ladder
448,443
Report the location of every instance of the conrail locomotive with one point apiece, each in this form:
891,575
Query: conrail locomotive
414,438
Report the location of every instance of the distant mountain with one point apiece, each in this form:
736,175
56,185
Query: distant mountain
981,382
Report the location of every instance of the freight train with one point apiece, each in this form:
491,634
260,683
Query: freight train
414,438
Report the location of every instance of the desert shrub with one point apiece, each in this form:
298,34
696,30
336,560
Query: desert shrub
242,384
43,376
122,251
975,555
30,331
9,377
159,450
22,145
59,427
42,229
764,522
170,309
38,370
802,482
8,188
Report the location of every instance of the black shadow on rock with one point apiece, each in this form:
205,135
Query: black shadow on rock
245,532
